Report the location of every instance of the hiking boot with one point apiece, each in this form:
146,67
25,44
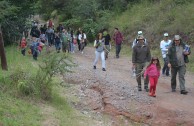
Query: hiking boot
94,67
173,90
103,69
139,89
184,92
146,88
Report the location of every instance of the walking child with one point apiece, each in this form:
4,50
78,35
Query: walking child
153,72
23,46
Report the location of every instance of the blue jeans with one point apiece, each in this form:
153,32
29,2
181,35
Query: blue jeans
58,46
165,69
72,46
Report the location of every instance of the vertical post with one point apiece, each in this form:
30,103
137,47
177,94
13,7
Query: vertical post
2,52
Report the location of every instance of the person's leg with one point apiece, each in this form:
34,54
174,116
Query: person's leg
79,45
119,49
96,58
107,49
151,79
146,80
181,72
72,47
24,53
166,67
173,78
154,86
103,60
138,75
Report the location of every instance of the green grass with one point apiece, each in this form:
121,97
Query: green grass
17,110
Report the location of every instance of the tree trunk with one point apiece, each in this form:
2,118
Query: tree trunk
2,52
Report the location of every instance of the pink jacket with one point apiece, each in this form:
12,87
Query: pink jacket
152,71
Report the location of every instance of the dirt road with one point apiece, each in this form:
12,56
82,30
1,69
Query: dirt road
114,92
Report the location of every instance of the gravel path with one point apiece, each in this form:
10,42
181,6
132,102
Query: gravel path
114,92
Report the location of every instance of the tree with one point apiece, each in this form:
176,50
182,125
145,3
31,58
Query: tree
2,52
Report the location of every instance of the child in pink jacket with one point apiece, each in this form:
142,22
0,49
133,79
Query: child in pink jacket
153,72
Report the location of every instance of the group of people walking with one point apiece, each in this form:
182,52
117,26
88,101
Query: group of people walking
63,39
175,55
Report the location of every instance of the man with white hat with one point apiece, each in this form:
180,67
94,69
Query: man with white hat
177,58
135,41
164,45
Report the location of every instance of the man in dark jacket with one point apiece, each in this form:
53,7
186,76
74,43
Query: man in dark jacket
141,54
177,58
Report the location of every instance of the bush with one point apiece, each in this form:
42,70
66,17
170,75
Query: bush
24,83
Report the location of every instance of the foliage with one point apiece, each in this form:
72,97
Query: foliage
33,79
52,65
14,14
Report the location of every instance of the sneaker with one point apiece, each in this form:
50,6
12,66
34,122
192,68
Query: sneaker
150,94
94,67
184,92
82,52
103,69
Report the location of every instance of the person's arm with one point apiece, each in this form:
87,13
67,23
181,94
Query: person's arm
146,72
134,43
95,45
133,58
168,58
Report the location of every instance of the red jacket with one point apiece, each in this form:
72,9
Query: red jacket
152,71
23,43
118,38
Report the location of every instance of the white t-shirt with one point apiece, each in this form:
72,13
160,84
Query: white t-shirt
164,45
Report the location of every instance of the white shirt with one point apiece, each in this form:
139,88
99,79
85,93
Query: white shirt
164,45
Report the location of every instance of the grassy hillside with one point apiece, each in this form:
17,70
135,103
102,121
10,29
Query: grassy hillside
155,18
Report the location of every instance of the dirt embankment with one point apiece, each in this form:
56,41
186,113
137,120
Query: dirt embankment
114,92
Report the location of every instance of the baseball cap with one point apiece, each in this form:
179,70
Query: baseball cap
165,34
177,37
139,32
